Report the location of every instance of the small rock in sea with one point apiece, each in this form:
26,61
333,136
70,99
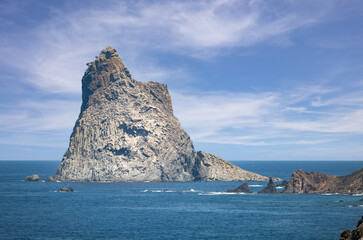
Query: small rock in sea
243,188
50,179
34,177
271,188
361,200
65,189
341,201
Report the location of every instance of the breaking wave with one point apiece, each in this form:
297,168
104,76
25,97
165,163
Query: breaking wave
158,191
352,206
221,193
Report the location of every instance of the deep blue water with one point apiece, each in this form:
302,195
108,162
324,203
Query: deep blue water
196,210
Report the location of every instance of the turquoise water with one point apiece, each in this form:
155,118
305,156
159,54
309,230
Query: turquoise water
196,210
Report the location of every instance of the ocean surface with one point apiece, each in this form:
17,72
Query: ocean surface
193,210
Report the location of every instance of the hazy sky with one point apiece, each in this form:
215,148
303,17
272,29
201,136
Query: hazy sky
249,80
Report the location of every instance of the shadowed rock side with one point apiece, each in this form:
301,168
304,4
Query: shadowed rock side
271,188
310,182
127,131
212,168
243,188
356,234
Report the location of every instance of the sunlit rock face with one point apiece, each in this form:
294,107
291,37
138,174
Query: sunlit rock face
127,131
213,168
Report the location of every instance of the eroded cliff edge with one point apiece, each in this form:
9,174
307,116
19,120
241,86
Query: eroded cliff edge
127,131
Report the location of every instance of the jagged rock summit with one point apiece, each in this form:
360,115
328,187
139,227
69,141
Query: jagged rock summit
127,131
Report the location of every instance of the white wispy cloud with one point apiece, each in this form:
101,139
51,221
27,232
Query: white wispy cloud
269,118
68,38
34,116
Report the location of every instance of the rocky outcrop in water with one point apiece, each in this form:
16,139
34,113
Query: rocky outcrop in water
34,177
127,131
356,234
271,188
65,189
310,182
50,179
243,188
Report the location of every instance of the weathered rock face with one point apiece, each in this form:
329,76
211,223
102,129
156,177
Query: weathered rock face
127,131
243,188
357,233
310,182
271,188
209,167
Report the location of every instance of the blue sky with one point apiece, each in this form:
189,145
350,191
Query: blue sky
249,80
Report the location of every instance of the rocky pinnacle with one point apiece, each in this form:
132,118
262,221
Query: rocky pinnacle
126,131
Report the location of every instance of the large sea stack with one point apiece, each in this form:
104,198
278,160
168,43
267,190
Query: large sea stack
127,131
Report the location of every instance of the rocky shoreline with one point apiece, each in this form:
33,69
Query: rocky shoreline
302,182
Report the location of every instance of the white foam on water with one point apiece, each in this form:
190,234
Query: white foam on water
162,191
158,191
280,187
355,206
255,186
221,193
190,190
358,194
